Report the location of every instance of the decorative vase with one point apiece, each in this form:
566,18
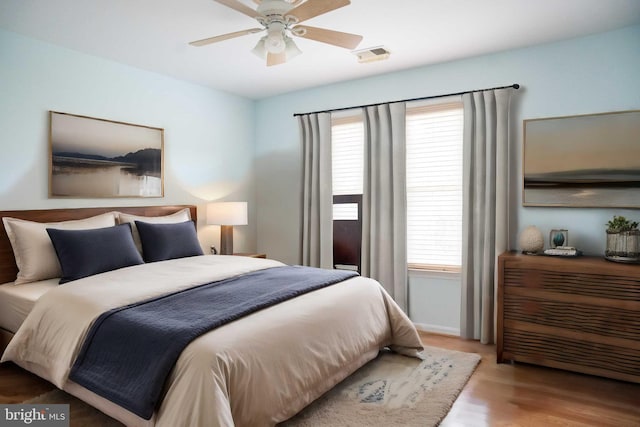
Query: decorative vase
558,239
623,246
531,240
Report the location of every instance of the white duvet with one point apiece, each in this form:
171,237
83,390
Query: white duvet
256,371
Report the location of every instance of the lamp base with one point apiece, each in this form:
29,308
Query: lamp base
226,240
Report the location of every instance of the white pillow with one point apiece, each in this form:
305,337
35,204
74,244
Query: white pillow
180,216
35,256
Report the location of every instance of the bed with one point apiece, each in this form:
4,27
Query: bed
258,370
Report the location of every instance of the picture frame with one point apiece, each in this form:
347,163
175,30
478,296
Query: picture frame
590,160
558,237
99,158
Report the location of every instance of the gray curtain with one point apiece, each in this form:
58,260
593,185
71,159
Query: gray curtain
384,200
317,197
485,208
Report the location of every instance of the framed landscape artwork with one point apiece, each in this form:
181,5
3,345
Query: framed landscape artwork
583,161
97,158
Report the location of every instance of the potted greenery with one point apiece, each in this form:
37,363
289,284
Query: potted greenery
623,240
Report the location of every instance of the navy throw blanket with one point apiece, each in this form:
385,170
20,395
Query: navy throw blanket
130,351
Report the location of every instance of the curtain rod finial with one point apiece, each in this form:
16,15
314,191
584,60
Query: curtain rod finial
516,86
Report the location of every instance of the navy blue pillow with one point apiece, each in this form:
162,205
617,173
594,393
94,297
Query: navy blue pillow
84,253
168,241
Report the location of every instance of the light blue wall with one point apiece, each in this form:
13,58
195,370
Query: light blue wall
219,145
208,147
585,75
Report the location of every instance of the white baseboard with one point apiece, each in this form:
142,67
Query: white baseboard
444,330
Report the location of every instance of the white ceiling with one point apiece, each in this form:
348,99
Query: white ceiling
154,35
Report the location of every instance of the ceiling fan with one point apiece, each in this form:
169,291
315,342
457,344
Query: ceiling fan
281,19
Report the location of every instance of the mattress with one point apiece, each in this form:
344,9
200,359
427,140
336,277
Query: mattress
16,301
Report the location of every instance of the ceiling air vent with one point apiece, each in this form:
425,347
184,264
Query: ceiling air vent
371,54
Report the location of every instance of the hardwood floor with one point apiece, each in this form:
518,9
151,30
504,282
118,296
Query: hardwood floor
18,385
526,395
496,395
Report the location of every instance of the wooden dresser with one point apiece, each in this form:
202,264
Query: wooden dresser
581,314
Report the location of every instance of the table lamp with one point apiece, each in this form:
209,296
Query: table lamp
226,215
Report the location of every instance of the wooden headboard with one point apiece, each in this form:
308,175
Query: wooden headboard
8,268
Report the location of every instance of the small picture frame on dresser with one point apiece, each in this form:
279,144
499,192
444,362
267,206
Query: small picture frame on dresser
558,237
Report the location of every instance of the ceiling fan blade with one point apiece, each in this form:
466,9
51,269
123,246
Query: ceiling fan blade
236,5
222,37
276,58
336,38
311,8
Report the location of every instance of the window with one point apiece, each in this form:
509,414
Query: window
434,186
434,179
347,135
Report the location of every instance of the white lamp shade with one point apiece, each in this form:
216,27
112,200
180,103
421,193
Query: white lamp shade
292,50
275,40
227,213
260,50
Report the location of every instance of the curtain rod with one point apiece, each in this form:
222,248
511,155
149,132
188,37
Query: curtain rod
515,86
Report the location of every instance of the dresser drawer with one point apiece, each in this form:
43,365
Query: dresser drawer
572,354
574,282
594,319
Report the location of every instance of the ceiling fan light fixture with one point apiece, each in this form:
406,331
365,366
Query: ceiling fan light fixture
260,50
291,50
275,42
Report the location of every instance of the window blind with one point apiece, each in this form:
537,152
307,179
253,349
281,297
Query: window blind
347,154
434,185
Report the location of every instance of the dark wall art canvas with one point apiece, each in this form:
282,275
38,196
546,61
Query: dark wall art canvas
100,158
583,161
